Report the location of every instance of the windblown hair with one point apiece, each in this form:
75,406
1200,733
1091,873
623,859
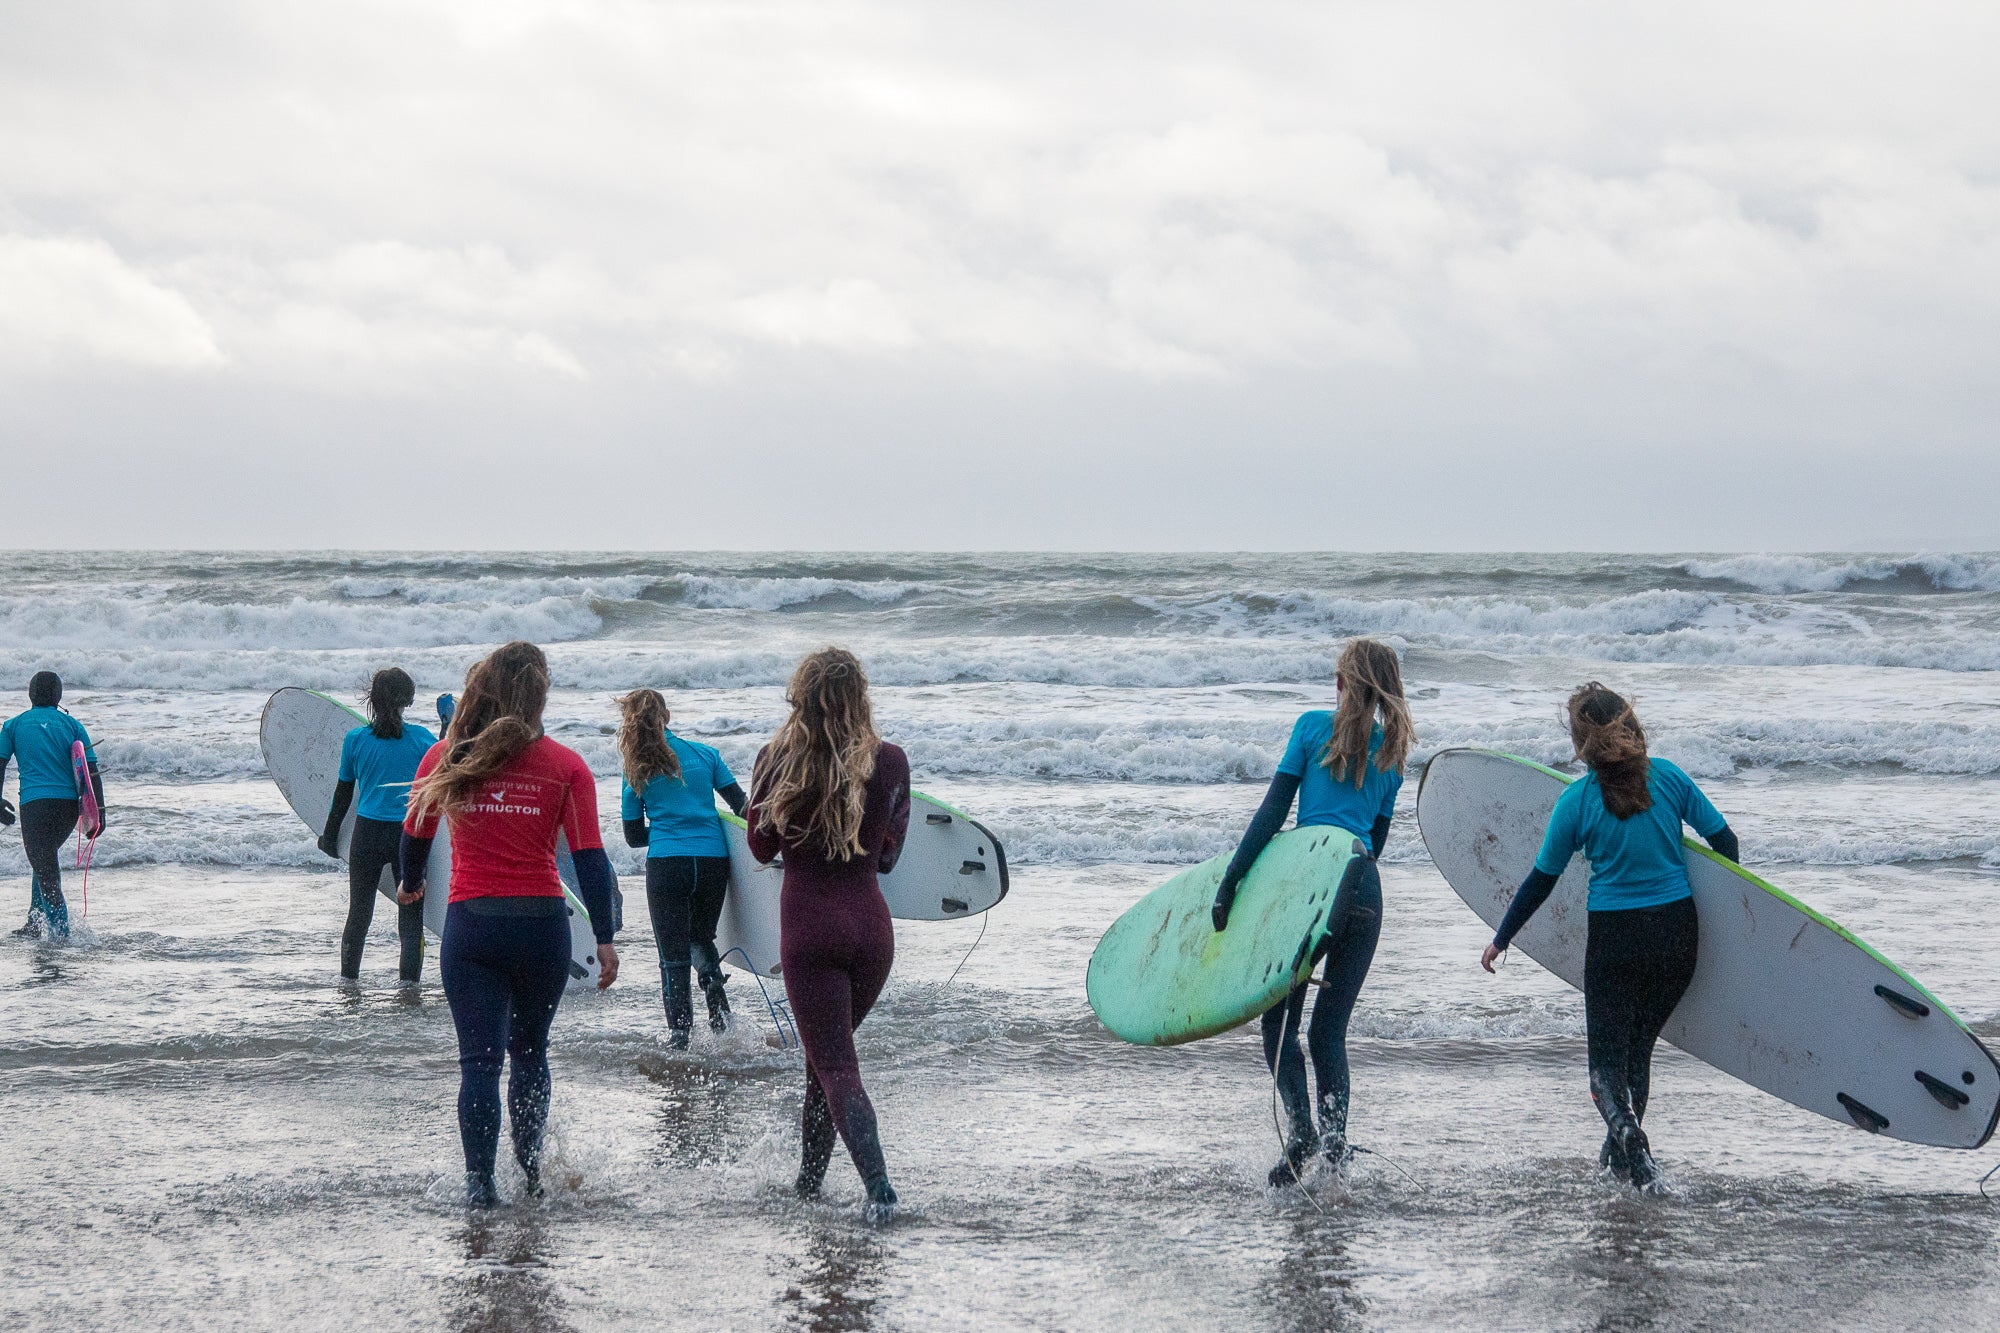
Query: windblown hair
812,786
642,739
389,693
1608,737
1371,683
499,715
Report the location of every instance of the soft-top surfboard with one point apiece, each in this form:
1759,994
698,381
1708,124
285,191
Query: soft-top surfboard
950,867
1783,998
1162,974
301,734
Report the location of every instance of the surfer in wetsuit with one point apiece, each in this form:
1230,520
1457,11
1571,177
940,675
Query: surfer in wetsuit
1345,769
377,763
43,739
667,801
834,797
509,791
1625,816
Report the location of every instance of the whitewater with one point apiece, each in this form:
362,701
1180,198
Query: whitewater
226,1137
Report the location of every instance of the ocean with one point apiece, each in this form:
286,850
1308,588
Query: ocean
208,1130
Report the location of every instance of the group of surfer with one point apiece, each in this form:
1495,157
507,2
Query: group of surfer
830,795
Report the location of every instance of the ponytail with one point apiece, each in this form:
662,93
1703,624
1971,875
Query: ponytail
389,693
642,739
1608,737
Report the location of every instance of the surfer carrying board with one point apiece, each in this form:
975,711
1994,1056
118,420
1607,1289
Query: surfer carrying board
509,791
43,740
834,797
377,764
667,801
1625,816
1344,768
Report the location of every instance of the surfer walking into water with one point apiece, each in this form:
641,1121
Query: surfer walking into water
1625,816
509,792
834,797
43,740
377,764
667,802
1344,768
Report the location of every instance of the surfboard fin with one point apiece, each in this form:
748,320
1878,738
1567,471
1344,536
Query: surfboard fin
1947,1096
1903,1004
1867,1117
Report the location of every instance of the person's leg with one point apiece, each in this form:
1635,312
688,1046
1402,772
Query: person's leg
830,996
669,885
539,948
1346,970
1677,938
1611,1022
816,1136
1287,1063
711,886
368,851
477,989
45,825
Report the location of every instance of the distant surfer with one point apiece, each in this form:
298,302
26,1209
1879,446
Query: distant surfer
43,739
377,764
1625,816
667,801
834,797
509,791
1344,768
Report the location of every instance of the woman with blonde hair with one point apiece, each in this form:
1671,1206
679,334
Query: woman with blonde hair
834,797
1344,768
667,800
1625,816
509,792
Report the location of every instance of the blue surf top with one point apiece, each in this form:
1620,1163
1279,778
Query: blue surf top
382,770
1325,799
1634,862
680,812
41,739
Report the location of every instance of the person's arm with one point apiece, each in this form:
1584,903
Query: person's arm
1723,840
733,794
1528,900
764,841
595,880
6,806
899,821
97,791
343,797
1270,817
413,859
1559,843
1702,816
632,811
1378,837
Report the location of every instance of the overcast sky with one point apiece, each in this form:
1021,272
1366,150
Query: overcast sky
500,273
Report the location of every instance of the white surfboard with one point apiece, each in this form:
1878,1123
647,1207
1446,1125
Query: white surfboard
951,867
1782,997
301,735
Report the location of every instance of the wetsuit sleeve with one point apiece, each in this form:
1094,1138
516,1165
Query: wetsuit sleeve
343,797
1560,839
424,826
1723,840
1264,826
1378,837
719,770
6,744
413,859
1528,900
764,843
733,794
347,772
1295,759
899,815
595,883
632,813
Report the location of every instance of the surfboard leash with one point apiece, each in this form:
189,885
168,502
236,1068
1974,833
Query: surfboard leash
788,1032
984,917
1983,1179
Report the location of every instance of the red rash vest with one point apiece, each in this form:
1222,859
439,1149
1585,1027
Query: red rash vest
503,845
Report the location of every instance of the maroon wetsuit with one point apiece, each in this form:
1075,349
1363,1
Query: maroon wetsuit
836,945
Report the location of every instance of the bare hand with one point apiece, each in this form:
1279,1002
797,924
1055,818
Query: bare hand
1491,956
414,895
607,965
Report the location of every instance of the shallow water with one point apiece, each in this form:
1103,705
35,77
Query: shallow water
209,1130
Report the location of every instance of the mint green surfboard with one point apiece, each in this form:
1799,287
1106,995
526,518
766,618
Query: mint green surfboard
1162,975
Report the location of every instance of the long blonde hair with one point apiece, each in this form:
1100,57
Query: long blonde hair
812,784
1371,680
499,715
642,739
1608,737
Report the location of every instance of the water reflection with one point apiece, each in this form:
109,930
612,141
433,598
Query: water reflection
837,1282
1314,1284
505,1285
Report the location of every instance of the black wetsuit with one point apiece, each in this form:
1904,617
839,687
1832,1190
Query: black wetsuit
684,895
46,824
375,847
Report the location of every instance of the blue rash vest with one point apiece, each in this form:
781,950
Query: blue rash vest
680,812
1634,862
41,739
1325,799
382,770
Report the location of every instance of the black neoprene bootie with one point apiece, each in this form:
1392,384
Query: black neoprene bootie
31,931
680,1006
881,1199
718,1001
480,1190
1299,1149
1612,1158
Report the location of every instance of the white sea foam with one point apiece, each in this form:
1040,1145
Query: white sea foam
721,592
1805,573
